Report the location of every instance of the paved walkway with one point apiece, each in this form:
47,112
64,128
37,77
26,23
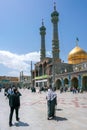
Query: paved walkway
71,112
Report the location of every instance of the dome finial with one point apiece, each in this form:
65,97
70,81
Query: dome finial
77,40
54,6
42,22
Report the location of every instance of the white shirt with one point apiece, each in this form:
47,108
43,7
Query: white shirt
51,95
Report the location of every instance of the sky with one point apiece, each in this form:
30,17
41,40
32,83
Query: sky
20,39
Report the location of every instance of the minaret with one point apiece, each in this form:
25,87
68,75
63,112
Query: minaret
42,33
55,41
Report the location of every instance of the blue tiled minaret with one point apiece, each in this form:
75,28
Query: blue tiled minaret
55,41
42,33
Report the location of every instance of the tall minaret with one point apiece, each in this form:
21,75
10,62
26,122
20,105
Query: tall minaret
42,33
55,41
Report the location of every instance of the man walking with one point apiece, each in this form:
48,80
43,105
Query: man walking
14,103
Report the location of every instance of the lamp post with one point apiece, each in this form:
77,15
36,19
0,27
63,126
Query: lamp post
31,74
21,79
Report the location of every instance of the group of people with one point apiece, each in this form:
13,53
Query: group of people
14,103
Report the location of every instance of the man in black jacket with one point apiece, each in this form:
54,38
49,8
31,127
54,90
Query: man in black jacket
14,103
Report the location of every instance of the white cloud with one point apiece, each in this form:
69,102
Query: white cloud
18,62
49,53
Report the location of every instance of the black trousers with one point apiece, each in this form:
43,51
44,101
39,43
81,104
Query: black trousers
11,113
49,108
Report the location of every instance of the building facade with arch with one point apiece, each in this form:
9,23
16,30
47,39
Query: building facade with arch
53,70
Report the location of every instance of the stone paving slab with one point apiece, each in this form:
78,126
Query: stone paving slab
71,112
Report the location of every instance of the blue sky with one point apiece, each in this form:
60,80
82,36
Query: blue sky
20,21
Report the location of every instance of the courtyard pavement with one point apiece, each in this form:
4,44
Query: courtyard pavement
71,112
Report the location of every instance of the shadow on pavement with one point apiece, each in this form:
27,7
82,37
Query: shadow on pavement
20,123
59,109
57,118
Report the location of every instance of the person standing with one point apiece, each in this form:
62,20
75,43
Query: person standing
10,91
51,102
14,103
48,97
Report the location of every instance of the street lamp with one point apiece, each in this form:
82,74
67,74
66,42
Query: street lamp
31,74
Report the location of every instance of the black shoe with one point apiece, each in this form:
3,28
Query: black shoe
17,119
49,118
10,124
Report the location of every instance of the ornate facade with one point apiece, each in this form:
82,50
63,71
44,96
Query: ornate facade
53,70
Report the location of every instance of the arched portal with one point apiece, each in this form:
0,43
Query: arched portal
66,82
74,82
58,84
84,83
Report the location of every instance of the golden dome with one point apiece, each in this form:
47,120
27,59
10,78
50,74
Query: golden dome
77,55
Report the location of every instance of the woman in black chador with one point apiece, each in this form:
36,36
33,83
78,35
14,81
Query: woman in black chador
14,103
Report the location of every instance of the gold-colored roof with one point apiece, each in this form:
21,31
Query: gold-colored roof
76,50
77,55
